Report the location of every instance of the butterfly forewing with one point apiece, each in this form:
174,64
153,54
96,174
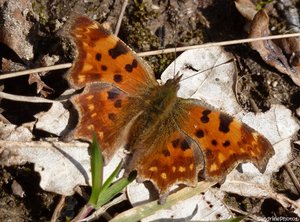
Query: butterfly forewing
103,57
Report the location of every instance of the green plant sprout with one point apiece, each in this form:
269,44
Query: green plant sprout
261,4
102,193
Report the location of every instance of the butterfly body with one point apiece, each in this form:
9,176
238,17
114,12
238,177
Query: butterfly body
162,99
170,140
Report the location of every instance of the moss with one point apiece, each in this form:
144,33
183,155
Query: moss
38,7
138,35
160,62
261,4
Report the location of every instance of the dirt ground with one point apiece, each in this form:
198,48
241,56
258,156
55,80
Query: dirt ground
147,25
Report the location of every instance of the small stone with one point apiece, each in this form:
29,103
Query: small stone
17,189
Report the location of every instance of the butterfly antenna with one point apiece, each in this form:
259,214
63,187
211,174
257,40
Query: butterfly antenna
197,72
175,43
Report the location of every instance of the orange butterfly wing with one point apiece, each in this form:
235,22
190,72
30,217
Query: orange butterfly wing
111,74
169,143
102,57
224,141
101,109
170,158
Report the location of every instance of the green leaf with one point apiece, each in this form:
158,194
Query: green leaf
110,179
236,219
97,170
114,189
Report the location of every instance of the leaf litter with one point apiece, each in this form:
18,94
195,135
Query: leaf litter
71,160
26,156
271,124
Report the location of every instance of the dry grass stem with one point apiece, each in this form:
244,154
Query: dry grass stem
155,52
125,3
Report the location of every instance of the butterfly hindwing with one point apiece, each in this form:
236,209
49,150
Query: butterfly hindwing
167,161
102,109
224,141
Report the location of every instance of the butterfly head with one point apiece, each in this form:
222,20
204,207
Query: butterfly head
174,83
171,87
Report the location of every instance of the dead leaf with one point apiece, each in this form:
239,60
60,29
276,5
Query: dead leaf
246,8
209,205
54,120
285,58
290,12
10,66
12,132
42,88
62,166
202,71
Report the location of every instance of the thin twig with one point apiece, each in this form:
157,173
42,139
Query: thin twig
254,105
104,208
29,71
293,177
213,44
58,209
28,99
155,52
121,17
253,217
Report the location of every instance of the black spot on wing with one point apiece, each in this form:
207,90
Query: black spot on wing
199,133
98,57
226,143
112,95
225,121
118,50
204,118
185,145
118,103
166,152
206,112
130,67
175,143
118,78
103,67
112,116
214,142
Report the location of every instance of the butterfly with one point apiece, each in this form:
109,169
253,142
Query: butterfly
170,140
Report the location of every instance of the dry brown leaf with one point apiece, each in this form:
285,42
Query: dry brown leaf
285,58
283,54
246,8
41,87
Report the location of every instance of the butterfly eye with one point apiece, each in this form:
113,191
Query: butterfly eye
169,81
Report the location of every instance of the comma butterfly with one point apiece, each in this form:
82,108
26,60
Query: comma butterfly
170,140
